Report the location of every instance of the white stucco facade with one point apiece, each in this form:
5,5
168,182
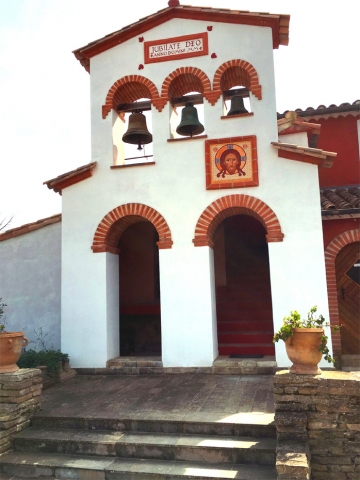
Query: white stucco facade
175,187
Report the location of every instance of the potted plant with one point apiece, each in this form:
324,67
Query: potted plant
11,344
305,341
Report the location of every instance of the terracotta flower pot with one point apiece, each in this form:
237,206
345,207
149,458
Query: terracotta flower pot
303,350
11,344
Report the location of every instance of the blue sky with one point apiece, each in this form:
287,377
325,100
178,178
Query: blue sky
44,92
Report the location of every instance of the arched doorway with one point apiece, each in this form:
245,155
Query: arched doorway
139,231
243,292
335,271
347,266
140,322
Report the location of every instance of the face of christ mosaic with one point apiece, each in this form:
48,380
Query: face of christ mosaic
231,163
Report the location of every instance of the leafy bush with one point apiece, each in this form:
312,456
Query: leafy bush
52,359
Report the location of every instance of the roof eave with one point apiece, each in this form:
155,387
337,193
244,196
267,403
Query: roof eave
278,23
29,227
340,214
70,178
310,155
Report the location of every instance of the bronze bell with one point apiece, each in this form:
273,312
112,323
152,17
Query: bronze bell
189,124
137,132
237,106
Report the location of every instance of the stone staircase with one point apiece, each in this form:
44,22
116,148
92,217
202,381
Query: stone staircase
144,448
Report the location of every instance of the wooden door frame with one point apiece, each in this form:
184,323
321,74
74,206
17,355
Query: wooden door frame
331,252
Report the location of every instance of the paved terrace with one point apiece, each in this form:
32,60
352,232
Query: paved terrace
182,397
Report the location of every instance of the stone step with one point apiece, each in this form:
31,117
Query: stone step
350,363
180,447
197,423
135,362
25,465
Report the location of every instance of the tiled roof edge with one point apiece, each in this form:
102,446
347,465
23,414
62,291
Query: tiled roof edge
323,110
70,178
30,227
280,36
315,156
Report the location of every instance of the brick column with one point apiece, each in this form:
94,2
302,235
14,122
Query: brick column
318,425
20,398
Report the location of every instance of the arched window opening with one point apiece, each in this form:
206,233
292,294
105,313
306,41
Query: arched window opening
126,97
187,115
132,137
241,76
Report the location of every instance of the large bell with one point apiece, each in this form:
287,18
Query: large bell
189,124
137,132
237,106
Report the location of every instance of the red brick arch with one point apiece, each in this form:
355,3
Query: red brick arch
230,205
187,73
331,252
246,75
112,226
133,83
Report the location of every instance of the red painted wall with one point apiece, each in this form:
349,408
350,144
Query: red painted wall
333,228
340,135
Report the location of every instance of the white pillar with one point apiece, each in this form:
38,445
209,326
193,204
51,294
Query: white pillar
298,282
188,307
90,310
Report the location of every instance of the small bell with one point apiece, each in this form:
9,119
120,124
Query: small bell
137,132
237,106
189,124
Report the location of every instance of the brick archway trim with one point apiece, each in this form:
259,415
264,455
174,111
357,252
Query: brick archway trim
230,205
331,252
254,86
109,102
114,223
186,70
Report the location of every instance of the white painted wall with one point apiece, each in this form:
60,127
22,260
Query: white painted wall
299,138
175,187
30,284
188,319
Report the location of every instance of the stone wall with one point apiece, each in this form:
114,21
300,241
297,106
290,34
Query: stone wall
318,425
20,398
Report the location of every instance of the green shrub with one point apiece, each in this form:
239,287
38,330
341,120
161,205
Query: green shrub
50,358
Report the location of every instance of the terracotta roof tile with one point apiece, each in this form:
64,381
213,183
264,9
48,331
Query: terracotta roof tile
29,227
292,123
277,22
315,156
323,110
340,201
70,178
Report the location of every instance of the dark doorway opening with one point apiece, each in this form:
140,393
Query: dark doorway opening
140,317
243,290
